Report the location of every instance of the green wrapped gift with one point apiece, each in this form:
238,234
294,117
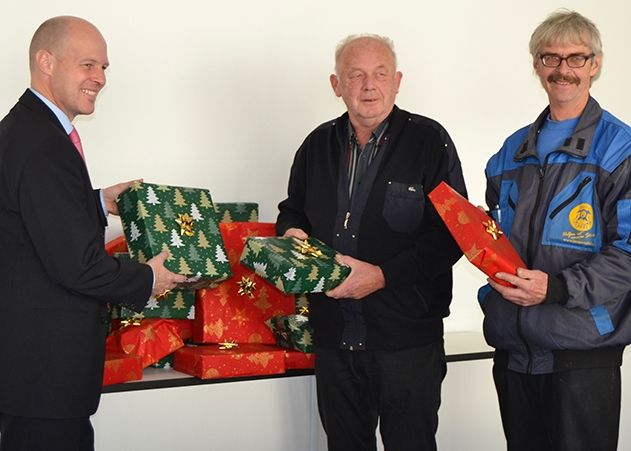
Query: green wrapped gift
181,221
292,331
237,211
165,362
177,304
293,265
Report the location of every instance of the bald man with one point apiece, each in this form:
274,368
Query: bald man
55,277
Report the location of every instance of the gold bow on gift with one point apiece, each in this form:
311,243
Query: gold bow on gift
228,345
492,229
186,224
246,287
309,249
130,322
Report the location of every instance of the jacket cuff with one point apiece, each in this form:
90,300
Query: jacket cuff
557,291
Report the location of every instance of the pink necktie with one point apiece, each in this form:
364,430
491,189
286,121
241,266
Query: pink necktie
74,137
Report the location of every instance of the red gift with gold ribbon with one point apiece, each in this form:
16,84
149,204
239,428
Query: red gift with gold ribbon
151,339
120,367
478,235
229,360
236,309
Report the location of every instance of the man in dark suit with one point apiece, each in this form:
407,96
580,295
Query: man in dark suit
55,277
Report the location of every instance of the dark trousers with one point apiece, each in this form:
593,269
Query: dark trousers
44,434
400,389
576,410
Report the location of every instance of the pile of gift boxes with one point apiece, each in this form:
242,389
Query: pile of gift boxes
242,310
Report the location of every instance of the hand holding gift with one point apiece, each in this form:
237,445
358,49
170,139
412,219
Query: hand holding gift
478,235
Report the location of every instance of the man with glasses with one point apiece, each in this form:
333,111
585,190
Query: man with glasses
562,189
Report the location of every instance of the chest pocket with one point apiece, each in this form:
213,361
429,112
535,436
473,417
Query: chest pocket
403,206
571,220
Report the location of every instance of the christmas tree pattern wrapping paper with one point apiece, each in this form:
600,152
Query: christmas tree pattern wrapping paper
177,304
181,221
229,360
292,331
164,363
120,367
151,339
237,211
477,234
297,360
293,265
237,309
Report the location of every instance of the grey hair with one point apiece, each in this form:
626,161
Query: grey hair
387,42
566,27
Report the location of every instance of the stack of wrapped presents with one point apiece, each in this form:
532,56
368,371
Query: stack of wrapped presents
242,310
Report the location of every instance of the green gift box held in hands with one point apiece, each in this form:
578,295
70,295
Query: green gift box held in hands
181,221
293,265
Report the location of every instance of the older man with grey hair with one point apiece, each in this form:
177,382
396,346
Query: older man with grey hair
360,184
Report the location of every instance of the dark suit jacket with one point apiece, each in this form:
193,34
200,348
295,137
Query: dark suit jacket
55,277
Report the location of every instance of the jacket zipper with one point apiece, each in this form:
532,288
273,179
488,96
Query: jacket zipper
530,257
569,200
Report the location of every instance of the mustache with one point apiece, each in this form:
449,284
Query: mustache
554,77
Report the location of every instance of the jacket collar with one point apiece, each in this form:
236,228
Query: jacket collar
577,145
397,119
33,103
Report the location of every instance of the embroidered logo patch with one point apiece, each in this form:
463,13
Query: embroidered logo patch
581,217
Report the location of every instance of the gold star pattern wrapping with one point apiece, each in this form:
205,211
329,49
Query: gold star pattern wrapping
479,237
121,367
227,312
151,340
292,265
178,219
211,362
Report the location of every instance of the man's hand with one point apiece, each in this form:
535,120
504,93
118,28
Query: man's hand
296,233
364,279
530,286
164,279
111,193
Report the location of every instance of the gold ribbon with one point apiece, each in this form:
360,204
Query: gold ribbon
130,322
186,224
164,294
247,287
309,249
492,229
304,310
228,345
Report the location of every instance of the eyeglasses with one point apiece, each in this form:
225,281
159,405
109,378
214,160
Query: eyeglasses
573,61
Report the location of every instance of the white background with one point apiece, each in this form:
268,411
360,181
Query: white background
219,95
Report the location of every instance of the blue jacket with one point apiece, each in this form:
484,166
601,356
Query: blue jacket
569,216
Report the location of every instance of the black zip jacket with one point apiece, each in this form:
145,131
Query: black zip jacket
397,227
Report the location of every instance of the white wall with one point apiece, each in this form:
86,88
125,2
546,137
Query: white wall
220,94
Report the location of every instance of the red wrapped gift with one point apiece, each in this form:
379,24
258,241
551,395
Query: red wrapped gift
236,310
295,360
229,360
151,339
116,245
184,327
477,234
121,367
